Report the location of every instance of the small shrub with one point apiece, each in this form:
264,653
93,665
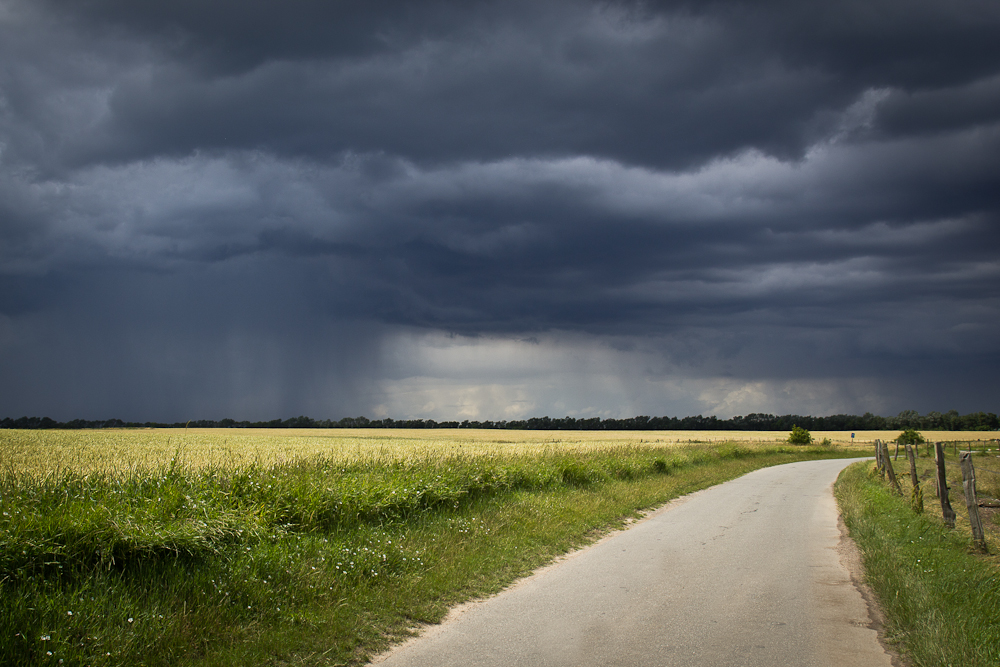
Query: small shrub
799,436
911,437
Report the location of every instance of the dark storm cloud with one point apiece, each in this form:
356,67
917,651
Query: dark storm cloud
455,82
248,206
622,82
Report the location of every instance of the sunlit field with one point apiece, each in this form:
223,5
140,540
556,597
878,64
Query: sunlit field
301,546
41,452
225,546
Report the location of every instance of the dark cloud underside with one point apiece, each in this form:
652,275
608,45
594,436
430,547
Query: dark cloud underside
260,209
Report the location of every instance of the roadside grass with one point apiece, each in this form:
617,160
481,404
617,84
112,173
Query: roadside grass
318,561
940,597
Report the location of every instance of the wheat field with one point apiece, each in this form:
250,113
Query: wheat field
86,451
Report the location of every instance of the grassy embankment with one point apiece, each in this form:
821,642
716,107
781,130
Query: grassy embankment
323,556
939,593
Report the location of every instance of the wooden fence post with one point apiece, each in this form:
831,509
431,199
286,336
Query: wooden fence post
942,482
913,467
890,471
917,496
969,486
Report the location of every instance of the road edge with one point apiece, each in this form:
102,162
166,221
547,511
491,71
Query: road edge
850,557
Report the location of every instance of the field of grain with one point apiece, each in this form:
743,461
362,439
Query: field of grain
163,547
313,546
43,452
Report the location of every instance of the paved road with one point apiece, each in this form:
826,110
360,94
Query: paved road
746,573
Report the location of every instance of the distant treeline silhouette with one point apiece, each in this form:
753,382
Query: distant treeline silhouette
932,421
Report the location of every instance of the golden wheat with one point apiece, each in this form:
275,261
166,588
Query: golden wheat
84,451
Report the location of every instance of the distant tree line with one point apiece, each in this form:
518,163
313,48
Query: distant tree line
908,419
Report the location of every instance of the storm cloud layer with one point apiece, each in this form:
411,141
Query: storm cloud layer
498,210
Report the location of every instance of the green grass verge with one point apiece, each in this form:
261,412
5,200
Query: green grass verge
940,599
314,563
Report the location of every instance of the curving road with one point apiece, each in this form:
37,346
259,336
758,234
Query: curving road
746,573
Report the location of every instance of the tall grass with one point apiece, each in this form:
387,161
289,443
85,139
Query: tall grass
251,562
940,599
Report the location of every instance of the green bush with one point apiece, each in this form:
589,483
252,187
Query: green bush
911,437
799,436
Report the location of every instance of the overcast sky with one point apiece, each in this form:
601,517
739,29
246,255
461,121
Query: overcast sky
497,210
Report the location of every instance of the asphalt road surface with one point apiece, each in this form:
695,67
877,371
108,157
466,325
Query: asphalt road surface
747,573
